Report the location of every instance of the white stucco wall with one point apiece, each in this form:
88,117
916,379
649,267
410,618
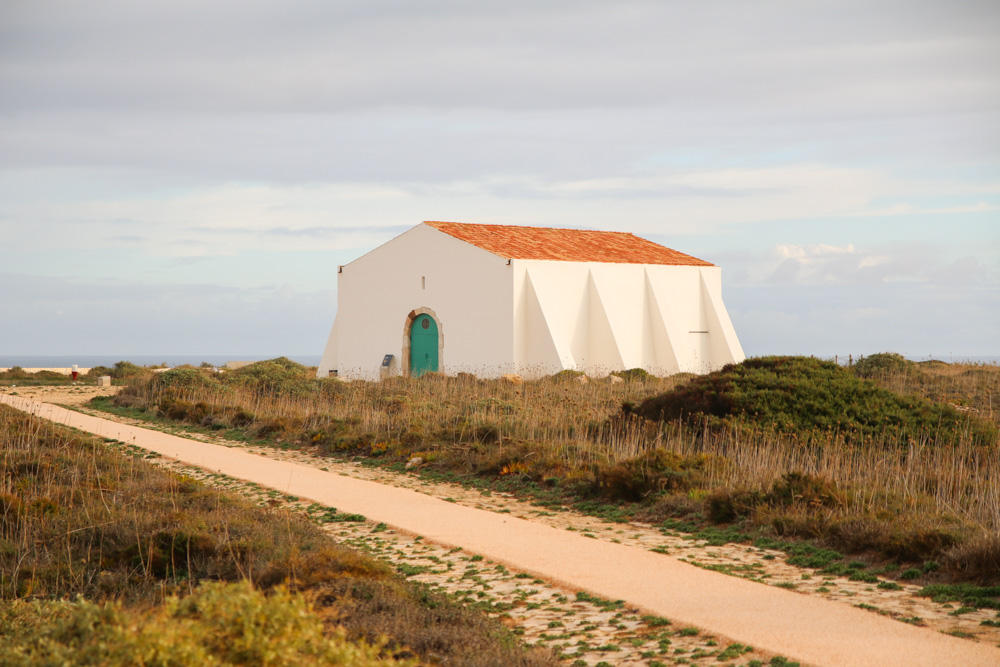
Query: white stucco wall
467,288
598,317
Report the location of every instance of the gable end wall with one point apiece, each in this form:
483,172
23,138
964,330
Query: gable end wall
467,288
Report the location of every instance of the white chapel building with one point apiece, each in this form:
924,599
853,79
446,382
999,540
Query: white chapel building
493,299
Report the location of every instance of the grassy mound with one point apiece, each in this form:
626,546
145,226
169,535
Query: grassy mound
881,364
802,395
274,377
280,376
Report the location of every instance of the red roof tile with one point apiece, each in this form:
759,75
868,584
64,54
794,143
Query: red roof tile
565,245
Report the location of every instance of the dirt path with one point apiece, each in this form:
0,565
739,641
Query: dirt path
861,589
579,629
801,627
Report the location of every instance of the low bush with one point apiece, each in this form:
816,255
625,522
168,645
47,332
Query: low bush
566,376
185,378
125,370
810,398
793,489
976,559
919,543
980,597
634,375
881,365
15,373
655,472
218,624
275,377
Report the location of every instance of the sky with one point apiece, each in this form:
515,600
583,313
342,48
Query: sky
185,177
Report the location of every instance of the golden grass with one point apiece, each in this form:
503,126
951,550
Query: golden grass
571,433
83,517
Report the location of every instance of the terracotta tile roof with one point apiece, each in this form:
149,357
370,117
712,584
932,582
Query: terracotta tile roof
565,245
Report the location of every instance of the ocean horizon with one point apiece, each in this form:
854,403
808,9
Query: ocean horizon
172,360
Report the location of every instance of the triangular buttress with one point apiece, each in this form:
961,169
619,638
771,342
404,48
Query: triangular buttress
664,345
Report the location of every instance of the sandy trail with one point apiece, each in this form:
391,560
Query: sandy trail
797,626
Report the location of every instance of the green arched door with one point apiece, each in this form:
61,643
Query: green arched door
423,346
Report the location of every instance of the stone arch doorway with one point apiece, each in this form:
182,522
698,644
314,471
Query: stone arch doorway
423,343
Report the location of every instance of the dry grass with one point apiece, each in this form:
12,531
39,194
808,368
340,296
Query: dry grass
934,497
78,518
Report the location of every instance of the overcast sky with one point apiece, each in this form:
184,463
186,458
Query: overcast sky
184,177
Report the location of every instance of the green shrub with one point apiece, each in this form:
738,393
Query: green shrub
184,378
126,369
881,364
980,597
274,377
50,377
565,376
634,375
219,624
921,542
275,426
977,559
811,490
726,506
651,473
793,489
15,373
809,398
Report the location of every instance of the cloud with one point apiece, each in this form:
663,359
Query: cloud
820,250
911,209
115,317
912,318
965,271
222,143
330,57
442,91
207,220
824,264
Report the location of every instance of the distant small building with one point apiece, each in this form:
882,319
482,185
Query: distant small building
493,299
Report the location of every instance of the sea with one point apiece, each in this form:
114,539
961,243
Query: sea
171,360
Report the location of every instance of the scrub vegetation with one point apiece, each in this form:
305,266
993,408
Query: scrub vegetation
121,372
108,560
892,460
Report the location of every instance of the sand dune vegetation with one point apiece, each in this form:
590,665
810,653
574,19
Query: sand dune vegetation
108,560
892,460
